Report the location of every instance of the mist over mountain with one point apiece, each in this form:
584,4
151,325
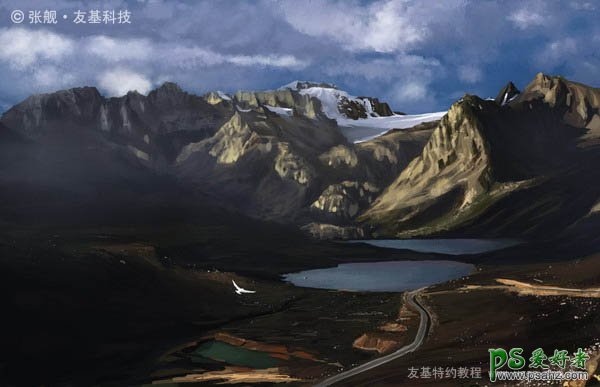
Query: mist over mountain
311,155
272,155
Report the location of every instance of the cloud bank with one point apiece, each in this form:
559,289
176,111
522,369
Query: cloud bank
417,55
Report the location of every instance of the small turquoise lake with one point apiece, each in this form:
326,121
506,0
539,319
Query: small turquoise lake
231,354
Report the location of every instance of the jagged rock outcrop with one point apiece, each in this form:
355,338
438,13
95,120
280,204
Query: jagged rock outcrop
346,199
301,104
217,97
157,125
339,156
507,94
454,166
363,107
504,169
345,105
363,168
231,141
387,155
79,105
382,109
577,105
260,164
290,165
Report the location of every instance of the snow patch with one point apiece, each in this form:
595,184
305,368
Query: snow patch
281,110
506,100
223,96
329,98
363,129
369,128
239,109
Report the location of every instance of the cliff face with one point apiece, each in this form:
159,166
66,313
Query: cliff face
339,102
456,154
262,163
390,153
164,110
345,199
154,126
507,94
39,111
300,105
453,169
363,107
575,104
364,170
514,156
270,154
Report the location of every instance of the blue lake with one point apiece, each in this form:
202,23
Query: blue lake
388,276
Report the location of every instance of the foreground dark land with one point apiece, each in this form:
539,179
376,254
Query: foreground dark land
101,304
120,305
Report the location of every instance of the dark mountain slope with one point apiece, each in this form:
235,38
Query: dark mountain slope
270,154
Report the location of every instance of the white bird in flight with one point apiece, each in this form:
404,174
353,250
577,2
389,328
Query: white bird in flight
239,290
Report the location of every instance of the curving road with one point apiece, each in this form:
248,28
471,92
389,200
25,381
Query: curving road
424,323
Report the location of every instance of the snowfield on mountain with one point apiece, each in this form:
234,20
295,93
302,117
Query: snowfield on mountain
359,129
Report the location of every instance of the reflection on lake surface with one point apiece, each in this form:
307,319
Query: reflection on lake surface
444,246
389,276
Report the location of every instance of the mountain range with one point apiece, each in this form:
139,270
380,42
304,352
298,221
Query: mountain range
311,155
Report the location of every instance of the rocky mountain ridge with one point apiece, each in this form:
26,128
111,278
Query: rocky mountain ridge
273,155
484,155
503,167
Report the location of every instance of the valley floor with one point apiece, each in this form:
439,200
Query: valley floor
130,305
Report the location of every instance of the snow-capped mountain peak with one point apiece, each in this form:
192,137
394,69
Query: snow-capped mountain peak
361,118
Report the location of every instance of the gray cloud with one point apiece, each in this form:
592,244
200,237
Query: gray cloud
414,54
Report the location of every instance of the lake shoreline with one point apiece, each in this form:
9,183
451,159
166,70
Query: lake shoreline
380,276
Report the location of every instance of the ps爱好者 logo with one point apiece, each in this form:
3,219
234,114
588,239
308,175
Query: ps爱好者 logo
560,365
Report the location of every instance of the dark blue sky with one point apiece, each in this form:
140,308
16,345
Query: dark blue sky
417,55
